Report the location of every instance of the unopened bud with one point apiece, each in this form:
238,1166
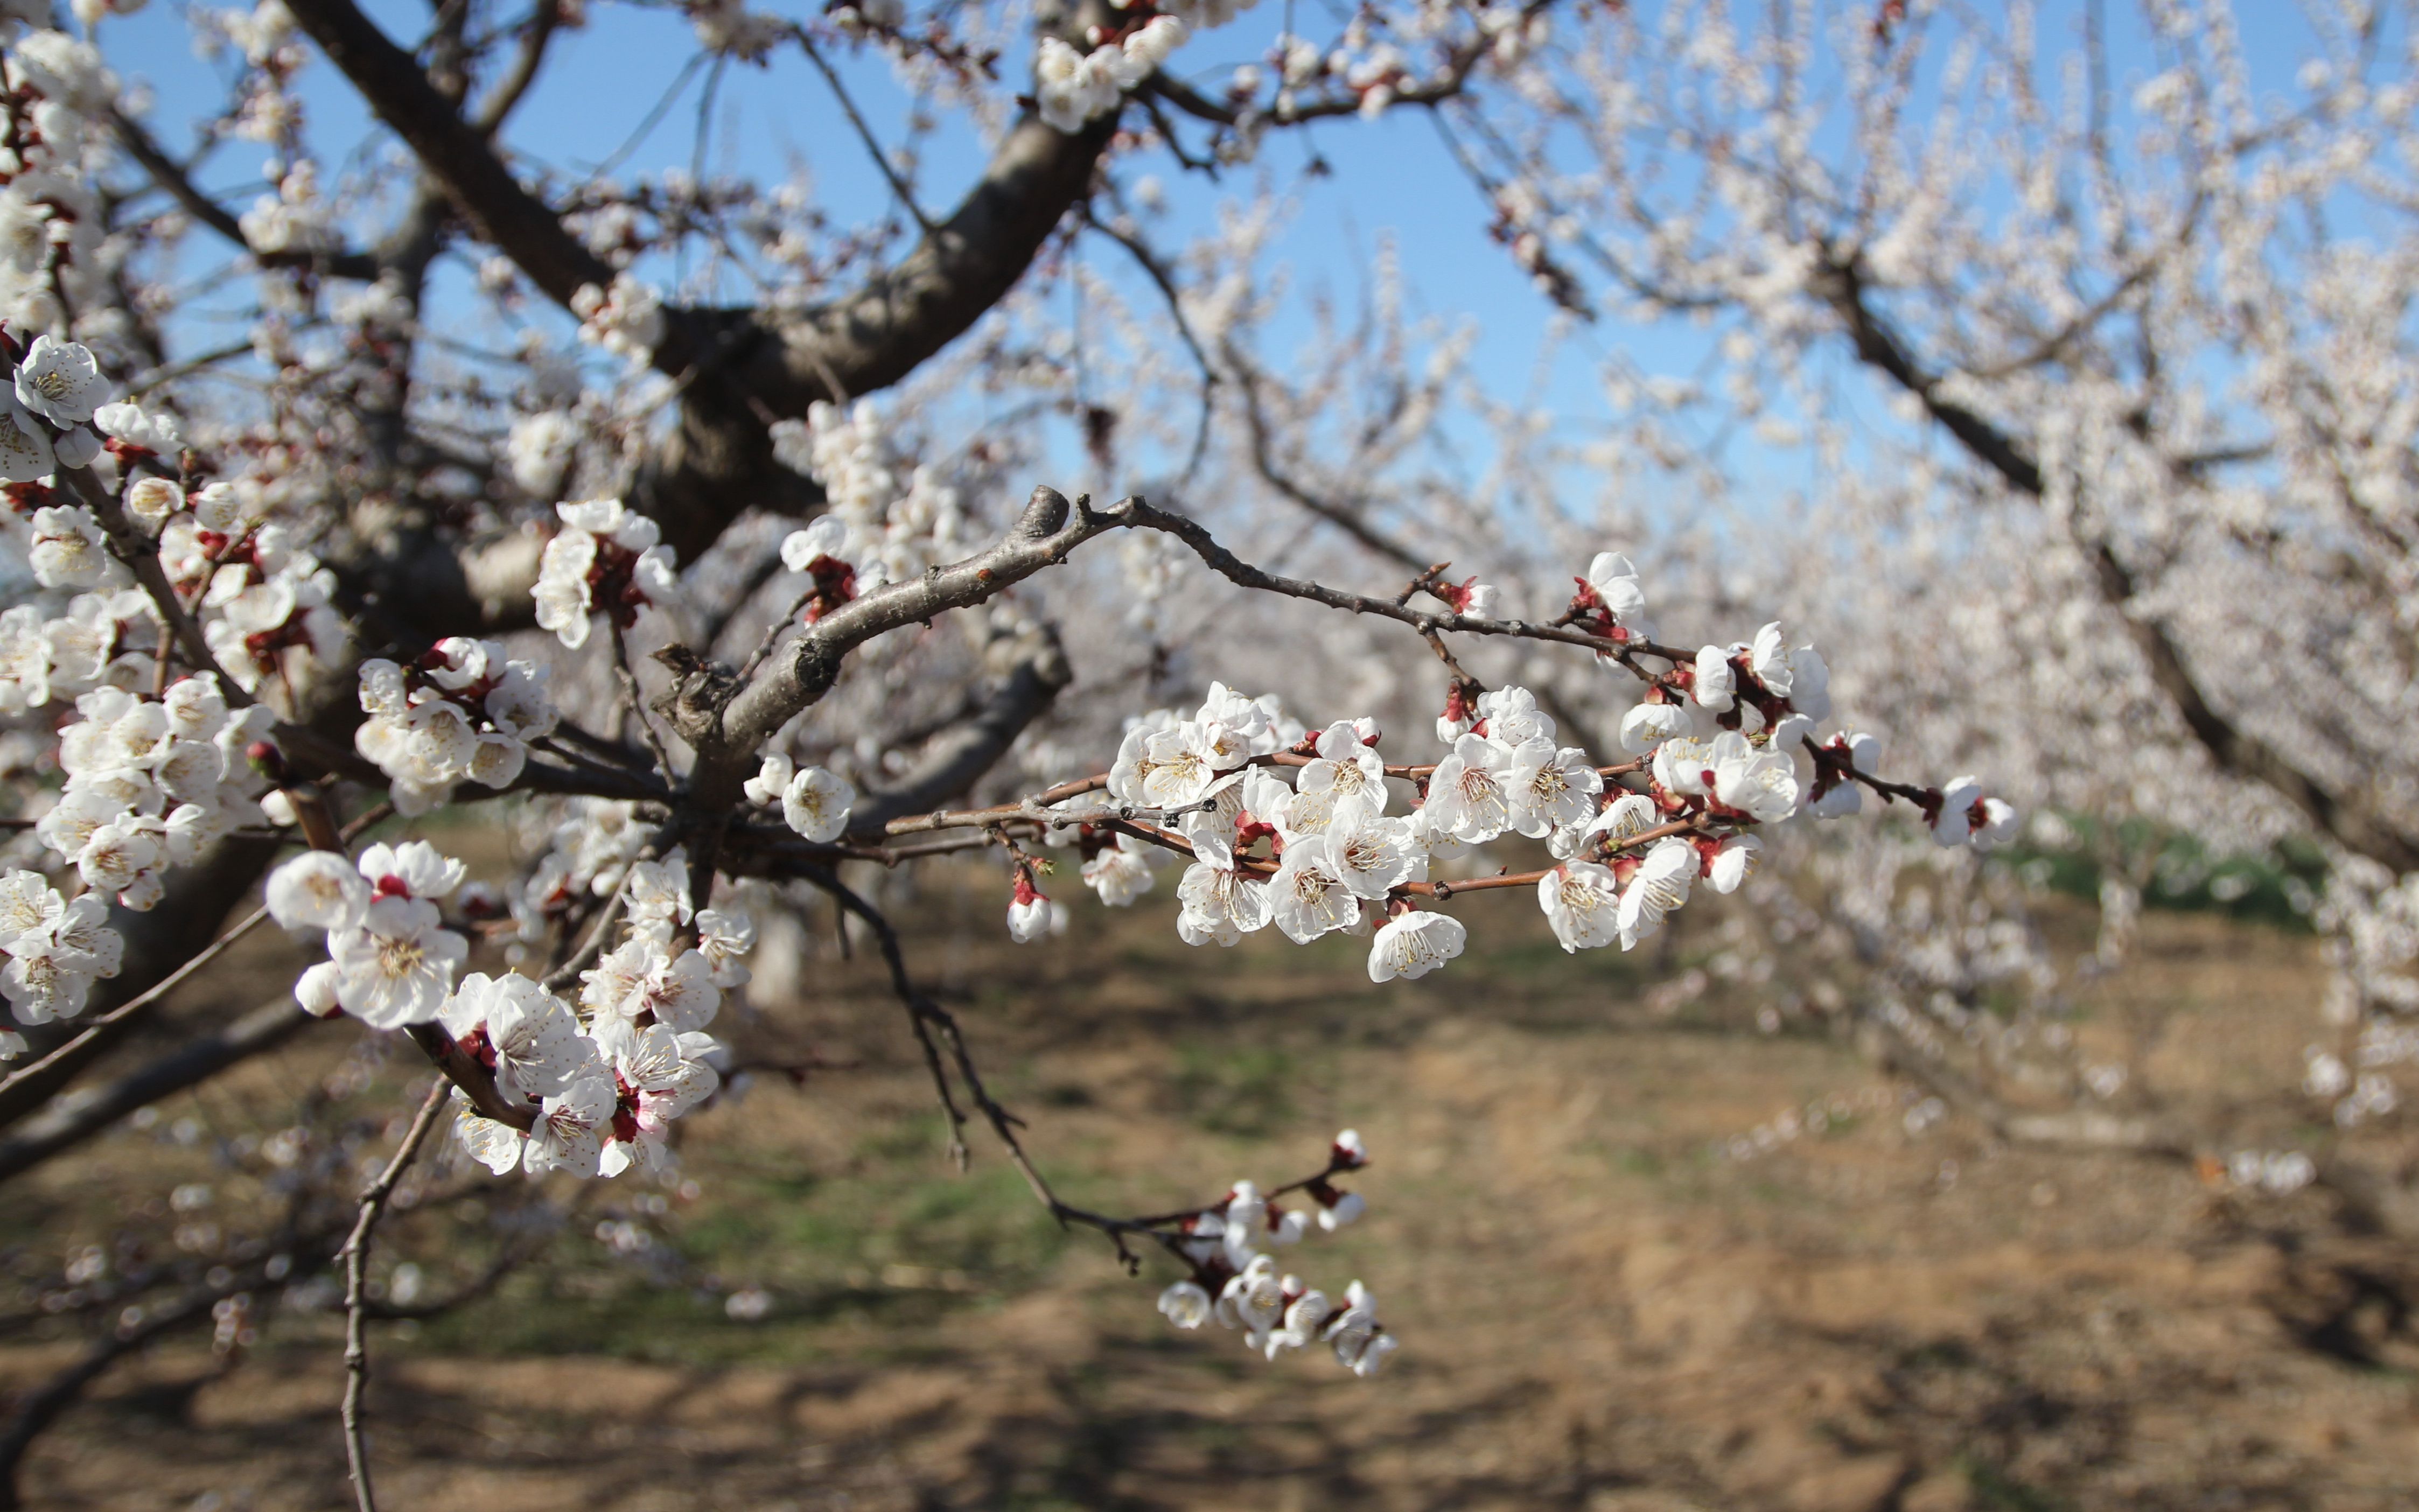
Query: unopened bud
267,759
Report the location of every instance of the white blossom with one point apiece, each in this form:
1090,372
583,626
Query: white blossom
664,1081
317,889
816,804
1121,872
1717,680
1647,725
569,1134
25,454
396,966
1550,787
1583,903
1734,860
1369,853
1185,1304
1360,1341
1615,582
1220,904
1346,770
538,1047
1413,944
1757,782
1467,792
1660,885
68,550
60,382
496,1146
1307,897
724,937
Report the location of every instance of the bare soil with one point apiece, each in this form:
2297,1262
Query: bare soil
1600,1309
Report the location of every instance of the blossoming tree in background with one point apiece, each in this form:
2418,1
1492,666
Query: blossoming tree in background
669,514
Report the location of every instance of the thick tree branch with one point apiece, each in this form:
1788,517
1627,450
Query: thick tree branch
719,459
2353,820
172,180
954,760
725,739
451,150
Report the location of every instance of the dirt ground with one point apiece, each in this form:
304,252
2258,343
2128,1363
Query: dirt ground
1599,1307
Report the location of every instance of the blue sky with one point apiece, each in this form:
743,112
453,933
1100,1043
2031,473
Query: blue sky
1391,178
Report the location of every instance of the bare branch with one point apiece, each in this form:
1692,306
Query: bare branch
70,1120
2353,819
535,34
451,150
953,761
356,1254
99,1028
173,178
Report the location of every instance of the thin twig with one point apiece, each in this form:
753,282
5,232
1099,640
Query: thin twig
356,1254
561,976
138,1002
1166,282
899,186
771,636
629,681
931,1021
129,545
758,575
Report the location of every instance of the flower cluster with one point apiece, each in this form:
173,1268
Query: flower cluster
391,960
462,713
626,318
812,801
592,849
59,95
604,1081
1293,829
605,559
877,529
150,782
108,637
1235,1281
56,949
265,604
1073,88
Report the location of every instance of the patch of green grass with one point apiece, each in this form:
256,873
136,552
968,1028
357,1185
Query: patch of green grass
2279,887
1995,1489
1245,1091
897,1243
